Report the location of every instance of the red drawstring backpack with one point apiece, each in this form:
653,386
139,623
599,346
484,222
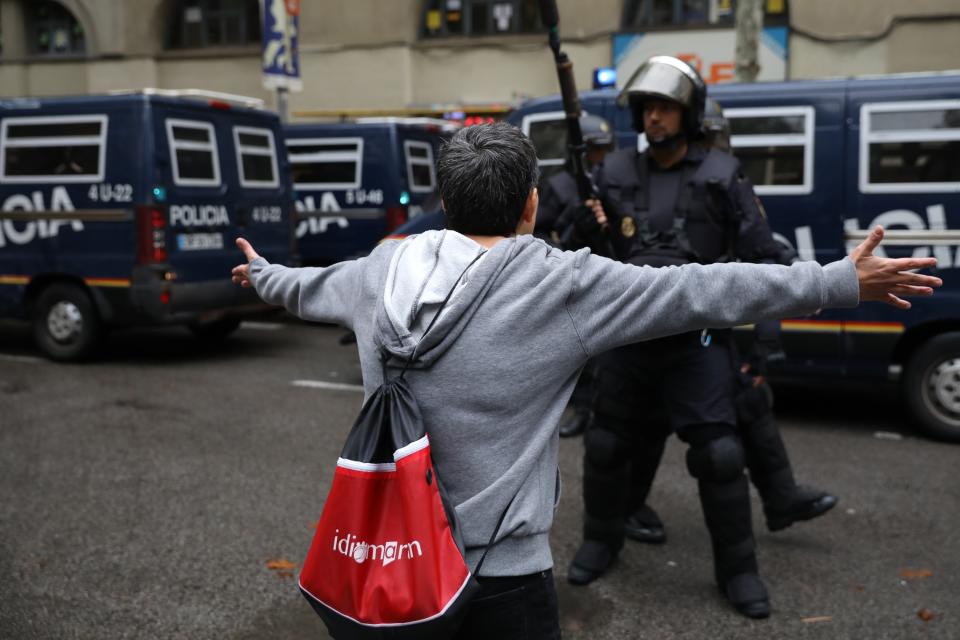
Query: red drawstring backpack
387,560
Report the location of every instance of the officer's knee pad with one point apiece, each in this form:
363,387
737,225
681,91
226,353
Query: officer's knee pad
604,448
719,460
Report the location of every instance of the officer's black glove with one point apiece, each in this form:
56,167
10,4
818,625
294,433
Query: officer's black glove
573,228
585,222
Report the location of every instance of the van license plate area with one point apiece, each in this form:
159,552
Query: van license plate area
199,241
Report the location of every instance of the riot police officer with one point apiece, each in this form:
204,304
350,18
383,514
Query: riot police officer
675,204
784,501
558,222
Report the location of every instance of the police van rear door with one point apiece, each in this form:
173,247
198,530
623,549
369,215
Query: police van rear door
331,166
69,179
789,139
904,174
222,174
418,148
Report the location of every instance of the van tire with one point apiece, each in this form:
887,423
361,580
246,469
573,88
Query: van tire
932,386
216,330
66,325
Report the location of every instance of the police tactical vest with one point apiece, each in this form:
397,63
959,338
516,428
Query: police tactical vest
628,187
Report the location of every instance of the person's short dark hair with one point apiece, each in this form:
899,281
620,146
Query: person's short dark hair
485,174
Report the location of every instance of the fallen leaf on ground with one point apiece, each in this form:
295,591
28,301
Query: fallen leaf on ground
925,614
859,587
284,574
280,564
817,619
915,574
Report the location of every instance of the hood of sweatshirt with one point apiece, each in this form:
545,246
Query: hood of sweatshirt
423,271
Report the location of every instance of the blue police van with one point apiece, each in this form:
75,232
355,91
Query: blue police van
830,159
358,181
122,210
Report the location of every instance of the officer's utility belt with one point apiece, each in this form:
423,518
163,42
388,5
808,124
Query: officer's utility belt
660,256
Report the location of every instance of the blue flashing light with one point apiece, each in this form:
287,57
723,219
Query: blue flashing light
604,77
159,194
404,198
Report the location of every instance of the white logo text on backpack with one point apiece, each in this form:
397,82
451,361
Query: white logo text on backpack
361,551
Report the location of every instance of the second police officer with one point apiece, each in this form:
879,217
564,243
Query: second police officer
677,203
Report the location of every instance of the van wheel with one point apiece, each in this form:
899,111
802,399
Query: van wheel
65,323
932,386
216,330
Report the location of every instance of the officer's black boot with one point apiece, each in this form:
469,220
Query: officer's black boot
784,502
642,523
598,551
576,424
605,475
716,459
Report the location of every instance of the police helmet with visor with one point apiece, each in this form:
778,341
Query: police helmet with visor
666,78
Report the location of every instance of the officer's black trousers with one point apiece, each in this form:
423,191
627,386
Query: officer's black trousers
766,455
696,385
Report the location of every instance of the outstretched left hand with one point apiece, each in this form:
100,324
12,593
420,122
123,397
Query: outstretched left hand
241,273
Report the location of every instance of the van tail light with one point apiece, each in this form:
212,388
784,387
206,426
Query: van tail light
151,234
396,216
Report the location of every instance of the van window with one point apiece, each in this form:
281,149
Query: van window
326,163
53,148
256,157
420,172
775,147
910,146
548,132
193,153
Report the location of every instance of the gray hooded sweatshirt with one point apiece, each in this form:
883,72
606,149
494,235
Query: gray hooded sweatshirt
496,370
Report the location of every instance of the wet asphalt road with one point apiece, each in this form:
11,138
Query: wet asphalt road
143,496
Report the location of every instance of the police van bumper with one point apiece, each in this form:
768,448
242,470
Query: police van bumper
195,302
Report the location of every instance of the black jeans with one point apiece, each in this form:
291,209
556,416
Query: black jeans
513,608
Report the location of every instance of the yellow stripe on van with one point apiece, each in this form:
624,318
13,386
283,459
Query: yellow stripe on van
812,326
107,282
14,280
873,327
831,326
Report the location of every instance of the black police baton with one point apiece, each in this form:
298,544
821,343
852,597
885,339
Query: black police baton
571,101
571,107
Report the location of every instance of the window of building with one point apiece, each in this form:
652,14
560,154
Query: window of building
211,23
420,170
775,147
53,148
669,14
910,146
447,18
52,30
256,157
193,153
325,163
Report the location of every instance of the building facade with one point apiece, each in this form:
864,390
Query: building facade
376,54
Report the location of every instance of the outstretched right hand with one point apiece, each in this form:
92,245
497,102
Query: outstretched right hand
241,273
889,279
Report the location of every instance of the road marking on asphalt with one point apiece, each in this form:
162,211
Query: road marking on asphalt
262,326
333,386
13,358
